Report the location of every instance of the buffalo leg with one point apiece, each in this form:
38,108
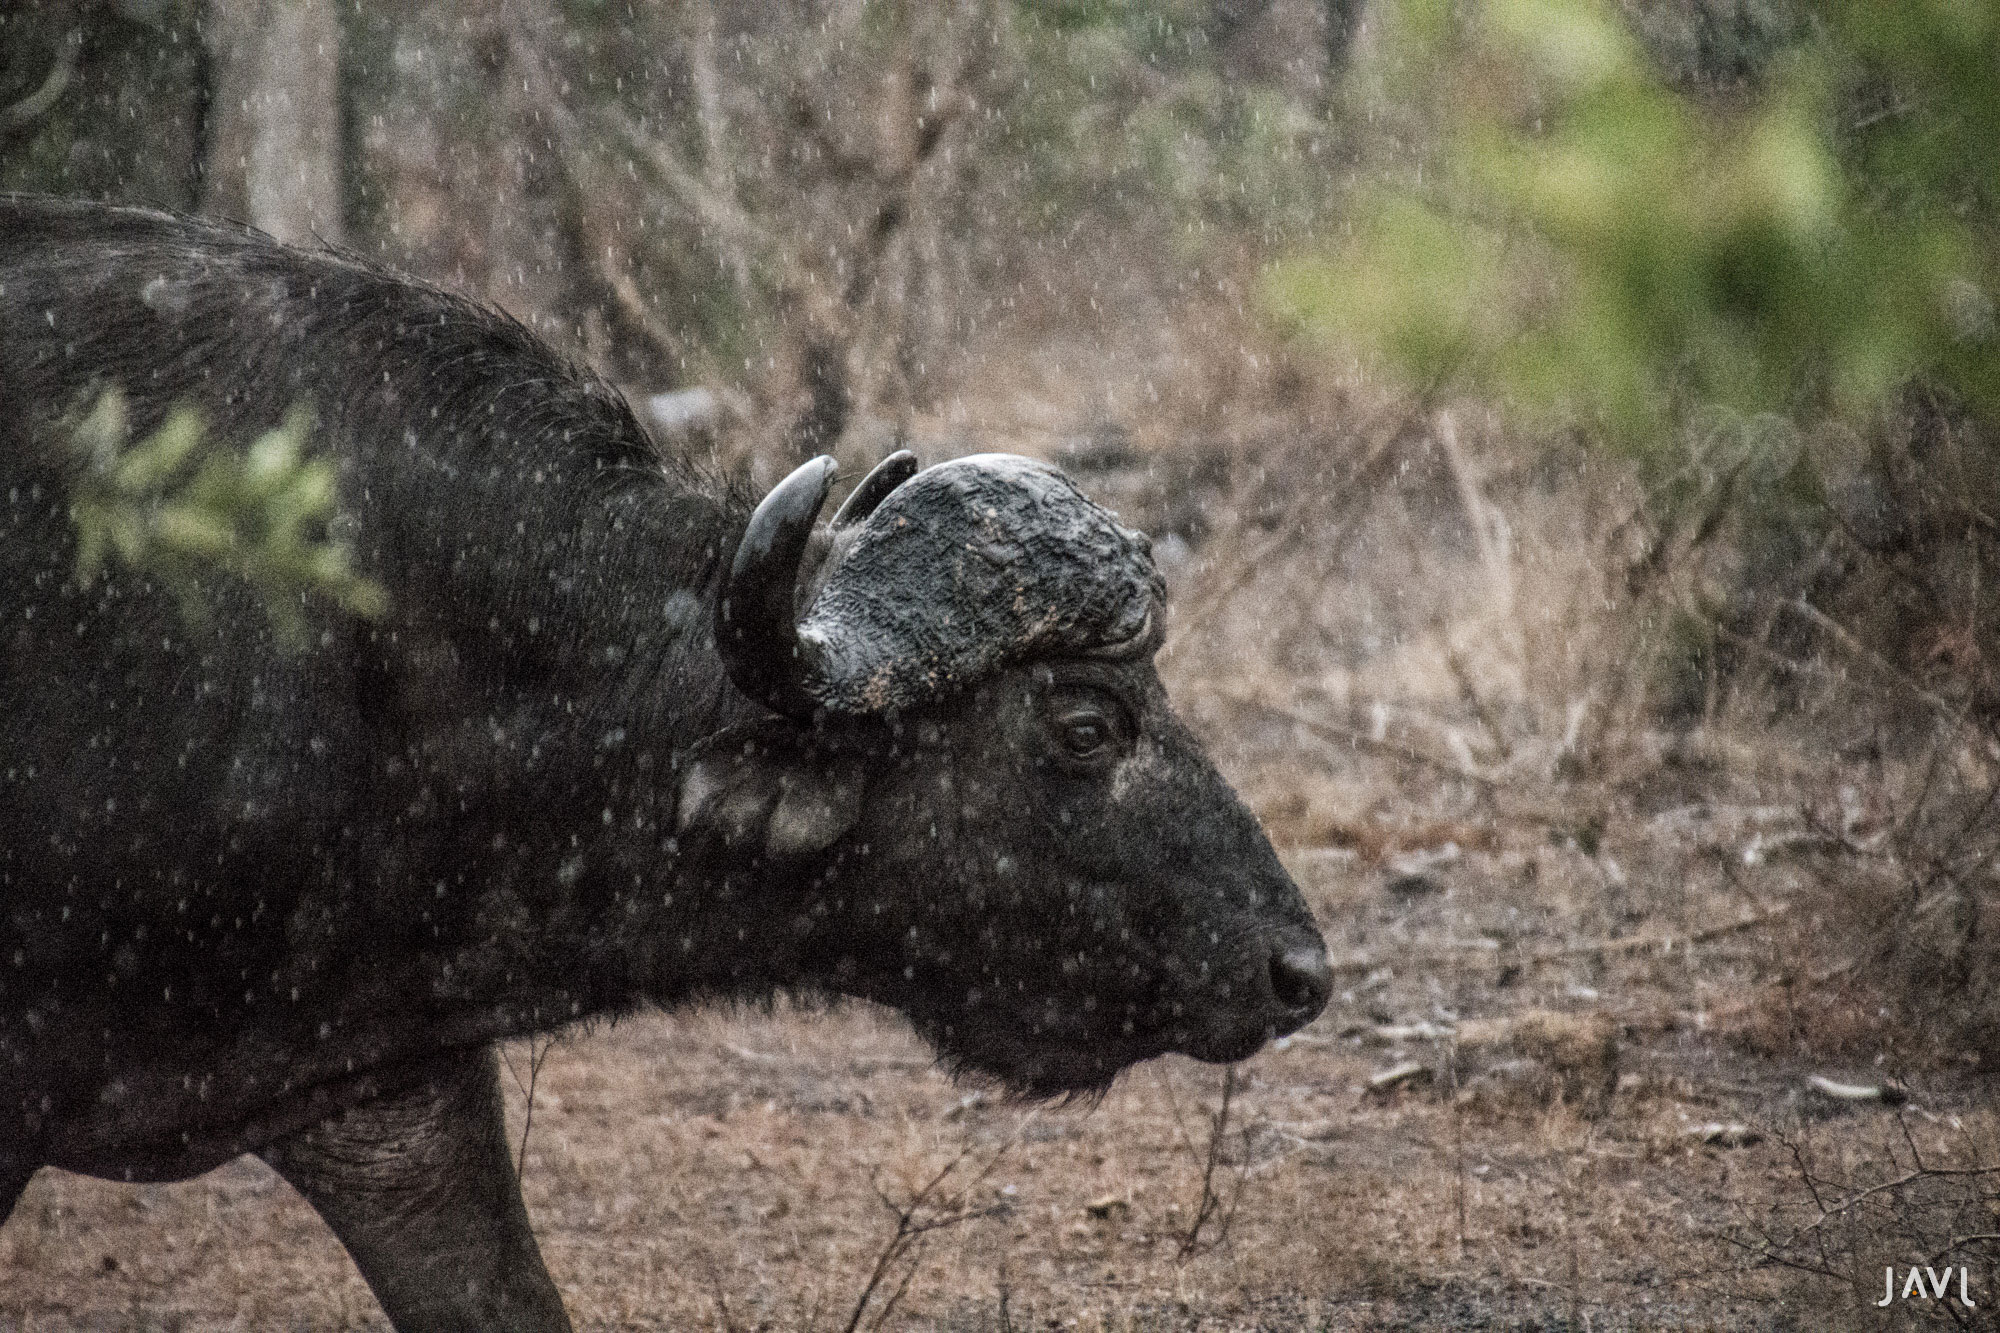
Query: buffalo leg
421,1190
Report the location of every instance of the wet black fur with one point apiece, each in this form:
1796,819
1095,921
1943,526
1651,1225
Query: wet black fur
271,901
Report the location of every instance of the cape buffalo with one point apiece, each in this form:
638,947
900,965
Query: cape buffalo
622,738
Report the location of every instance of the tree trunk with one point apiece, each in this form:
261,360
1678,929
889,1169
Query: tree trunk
275,152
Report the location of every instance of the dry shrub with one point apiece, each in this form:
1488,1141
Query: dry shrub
1542,1058
1924,1193
1917,930
1319,810
1313,809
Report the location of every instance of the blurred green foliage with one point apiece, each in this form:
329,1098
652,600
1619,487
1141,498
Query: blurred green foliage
176,508
1599,243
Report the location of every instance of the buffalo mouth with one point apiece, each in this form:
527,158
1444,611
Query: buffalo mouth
1059,1058
1075,1065
1218,996
1036,1069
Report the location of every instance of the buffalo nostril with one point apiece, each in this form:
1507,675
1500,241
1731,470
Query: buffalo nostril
1301,979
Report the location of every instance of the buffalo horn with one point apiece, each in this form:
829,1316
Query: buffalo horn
932,581
964,568
884,477
756,627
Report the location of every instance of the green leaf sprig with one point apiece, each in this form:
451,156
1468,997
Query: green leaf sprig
178,507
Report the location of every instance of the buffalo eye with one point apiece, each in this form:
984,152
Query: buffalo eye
1084,734
1086,725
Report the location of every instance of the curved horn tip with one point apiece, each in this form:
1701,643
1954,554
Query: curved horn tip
874,488
754,626
785,515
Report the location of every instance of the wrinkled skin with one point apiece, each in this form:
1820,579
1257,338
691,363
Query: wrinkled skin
1112,933
282,903
1013,879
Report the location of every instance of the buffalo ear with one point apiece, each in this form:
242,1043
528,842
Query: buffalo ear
767,785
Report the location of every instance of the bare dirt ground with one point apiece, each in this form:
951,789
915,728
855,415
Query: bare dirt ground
1564,1083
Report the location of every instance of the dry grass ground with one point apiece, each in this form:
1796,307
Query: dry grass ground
1587,972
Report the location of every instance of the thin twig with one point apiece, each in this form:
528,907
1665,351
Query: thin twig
1211,1202
1455,662
716,179
911,1229
1893,110
1664,943
1573,1288
1451,952
1910,1141
1457,1141
1335,733
720,1294
1868,655
1493,553
896,1296
1959,1242
538,1051
1854,1200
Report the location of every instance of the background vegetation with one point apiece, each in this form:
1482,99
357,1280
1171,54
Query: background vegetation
1569,430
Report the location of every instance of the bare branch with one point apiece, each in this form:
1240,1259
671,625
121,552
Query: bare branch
1211,1204
1339,734
715,210
1868,655
717,183
913,1224
1854,1200
1960,1242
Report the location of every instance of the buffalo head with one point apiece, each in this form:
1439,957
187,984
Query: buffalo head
998,823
